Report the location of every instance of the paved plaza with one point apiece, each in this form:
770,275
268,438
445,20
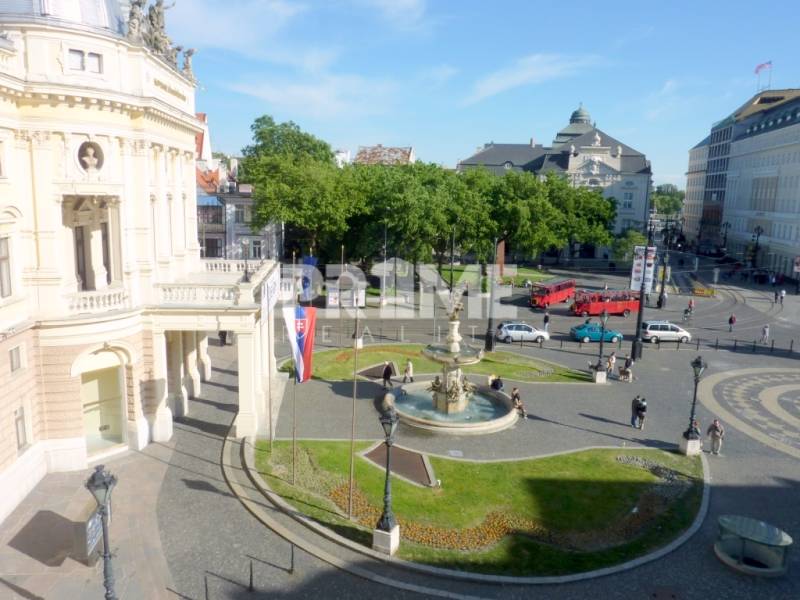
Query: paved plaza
180,531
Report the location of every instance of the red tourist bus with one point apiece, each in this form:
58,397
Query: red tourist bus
616,302
545,294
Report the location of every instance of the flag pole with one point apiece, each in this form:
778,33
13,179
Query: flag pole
353,416
294,385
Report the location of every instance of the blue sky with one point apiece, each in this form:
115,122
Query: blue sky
446,76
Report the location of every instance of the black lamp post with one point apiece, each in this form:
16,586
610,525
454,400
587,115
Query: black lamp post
698,366
636,345
489,342
388,419
101,484
725,226
664,263
756,236
603,321
245,248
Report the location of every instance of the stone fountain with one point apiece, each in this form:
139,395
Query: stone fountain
450,403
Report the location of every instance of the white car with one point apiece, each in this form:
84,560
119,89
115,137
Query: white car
664,331
511,331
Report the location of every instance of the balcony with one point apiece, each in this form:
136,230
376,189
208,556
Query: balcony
92,302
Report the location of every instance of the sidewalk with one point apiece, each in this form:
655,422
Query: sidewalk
36,559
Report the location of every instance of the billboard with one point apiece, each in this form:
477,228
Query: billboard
643,267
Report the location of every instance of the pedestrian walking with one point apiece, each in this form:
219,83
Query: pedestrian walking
223,337
610,362
641,413
772,280
690,306
387,374
765,334
635,410
626,370
546,321
605,288
716,431
731,322
408,372
516,398
777,295
783,295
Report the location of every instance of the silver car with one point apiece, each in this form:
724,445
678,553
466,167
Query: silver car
516,331
664,331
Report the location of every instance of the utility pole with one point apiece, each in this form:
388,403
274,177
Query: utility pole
636,345
489,342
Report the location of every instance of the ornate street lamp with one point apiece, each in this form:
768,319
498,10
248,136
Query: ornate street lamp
664,263
603,320
245,248
386,536
756,236
725,226
636,345
101,484
691,445
489,342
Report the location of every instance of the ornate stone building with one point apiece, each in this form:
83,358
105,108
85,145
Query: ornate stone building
588,157
105,303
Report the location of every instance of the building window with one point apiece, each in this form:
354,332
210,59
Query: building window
94,62
627,204
15,358
76,62
239,214
21,427
256,248
5,268
507,165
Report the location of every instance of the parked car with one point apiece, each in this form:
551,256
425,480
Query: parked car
664,331
516,331
591,332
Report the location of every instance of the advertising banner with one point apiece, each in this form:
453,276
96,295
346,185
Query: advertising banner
300,322
643,267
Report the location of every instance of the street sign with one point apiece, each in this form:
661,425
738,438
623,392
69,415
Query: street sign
643,268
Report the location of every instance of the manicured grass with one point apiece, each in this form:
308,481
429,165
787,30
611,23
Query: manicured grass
337,365
470,274
578,493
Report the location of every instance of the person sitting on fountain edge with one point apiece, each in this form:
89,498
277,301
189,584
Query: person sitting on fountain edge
518,405
497,384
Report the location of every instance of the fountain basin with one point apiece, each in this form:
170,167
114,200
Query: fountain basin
487,411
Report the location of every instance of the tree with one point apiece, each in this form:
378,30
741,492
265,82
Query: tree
668,199
284,139
623,244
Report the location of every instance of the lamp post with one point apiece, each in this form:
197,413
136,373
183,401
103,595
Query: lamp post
664,263
603,321
386,537
636,345
690,444
756,236
452,255
725,226
245,251
489,342
101,484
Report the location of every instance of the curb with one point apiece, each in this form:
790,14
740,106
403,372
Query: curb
279,502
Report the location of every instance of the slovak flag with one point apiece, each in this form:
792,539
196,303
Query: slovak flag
300,322
762,66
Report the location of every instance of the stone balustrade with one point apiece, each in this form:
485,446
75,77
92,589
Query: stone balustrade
198,295
115,298
220,265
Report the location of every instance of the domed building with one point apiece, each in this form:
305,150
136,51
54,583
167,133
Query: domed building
105,303
587,156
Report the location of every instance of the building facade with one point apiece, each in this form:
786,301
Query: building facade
105,303
588,157
763,182
695,191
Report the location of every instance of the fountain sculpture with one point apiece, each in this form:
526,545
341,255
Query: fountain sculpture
450,403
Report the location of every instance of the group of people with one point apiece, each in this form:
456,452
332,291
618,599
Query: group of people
779,296
715,431
388,371
638,411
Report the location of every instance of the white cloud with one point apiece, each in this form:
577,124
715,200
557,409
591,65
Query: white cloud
664,102
325,96
529,70
252,28
403,14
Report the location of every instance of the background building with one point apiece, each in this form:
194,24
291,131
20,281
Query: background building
384,155
695,190
588,157
105,303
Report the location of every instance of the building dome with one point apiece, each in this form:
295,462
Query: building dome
106,15
579,116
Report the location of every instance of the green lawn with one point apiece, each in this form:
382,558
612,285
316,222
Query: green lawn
337,365
568,495
469,274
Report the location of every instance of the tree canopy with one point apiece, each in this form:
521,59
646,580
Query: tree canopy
668,199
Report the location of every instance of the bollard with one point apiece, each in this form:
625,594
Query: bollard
791,346
521,342
735,341
698,343
659,344
678,345
541,344
562,343
716,344
205,584
754,346
250,588
772,347
291,559
619,344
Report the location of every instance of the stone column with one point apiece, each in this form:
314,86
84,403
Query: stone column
161,420
190,363
203,359
178,395
98,270
247,418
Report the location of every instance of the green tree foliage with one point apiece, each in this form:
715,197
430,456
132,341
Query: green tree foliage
622,247
668,199
284,139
